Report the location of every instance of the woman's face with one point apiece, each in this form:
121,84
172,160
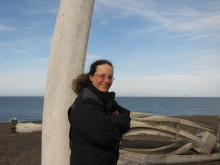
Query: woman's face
102,77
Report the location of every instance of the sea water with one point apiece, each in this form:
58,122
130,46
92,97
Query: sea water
22,108
31,108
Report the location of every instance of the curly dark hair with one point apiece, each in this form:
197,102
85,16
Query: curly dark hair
82,80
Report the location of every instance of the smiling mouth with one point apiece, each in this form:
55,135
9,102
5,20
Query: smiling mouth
105,86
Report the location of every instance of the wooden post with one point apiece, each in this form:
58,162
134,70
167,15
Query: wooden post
67,61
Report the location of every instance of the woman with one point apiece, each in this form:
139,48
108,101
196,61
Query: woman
97,121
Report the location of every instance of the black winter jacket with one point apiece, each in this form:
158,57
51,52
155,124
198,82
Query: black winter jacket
95,133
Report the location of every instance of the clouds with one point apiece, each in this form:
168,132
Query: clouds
167,86
90,56
19,51
25,15
23,77
26,7
210,66
170,19
210,24
158,48
49,8
199,77
6,28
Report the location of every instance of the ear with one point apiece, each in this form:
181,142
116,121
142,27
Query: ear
91,77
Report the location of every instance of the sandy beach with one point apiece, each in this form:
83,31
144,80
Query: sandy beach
25,149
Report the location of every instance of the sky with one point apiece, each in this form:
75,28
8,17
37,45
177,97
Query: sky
168,48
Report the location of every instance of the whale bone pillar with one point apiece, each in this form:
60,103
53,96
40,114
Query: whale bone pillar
66,61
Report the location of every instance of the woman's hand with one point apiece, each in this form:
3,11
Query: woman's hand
115,113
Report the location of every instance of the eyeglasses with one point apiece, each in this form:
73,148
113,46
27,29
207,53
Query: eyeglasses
103,77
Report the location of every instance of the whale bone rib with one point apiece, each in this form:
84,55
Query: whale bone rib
138,124
147,117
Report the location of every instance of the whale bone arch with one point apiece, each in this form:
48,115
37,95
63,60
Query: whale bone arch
142,123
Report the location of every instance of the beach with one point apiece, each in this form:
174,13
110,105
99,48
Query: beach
25,149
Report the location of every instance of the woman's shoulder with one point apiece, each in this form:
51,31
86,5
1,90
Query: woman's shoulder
87,94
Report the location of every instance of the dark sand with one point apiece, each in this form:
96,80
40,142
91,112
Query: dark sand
25,149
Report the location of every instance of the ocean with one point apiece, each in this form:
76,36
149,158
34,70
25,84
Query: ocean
31,108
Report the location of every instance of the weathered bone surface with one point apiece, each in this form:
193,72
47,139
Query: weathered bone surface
66,62
148,117
136,131
141,123
130,158
208,139
17,127
155,149
138,124
182,150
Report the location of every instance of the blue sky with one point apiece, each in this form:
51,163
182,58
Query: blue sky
159,48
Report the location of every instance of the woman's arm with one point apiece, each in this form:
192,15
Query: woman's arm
121,118
89,121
